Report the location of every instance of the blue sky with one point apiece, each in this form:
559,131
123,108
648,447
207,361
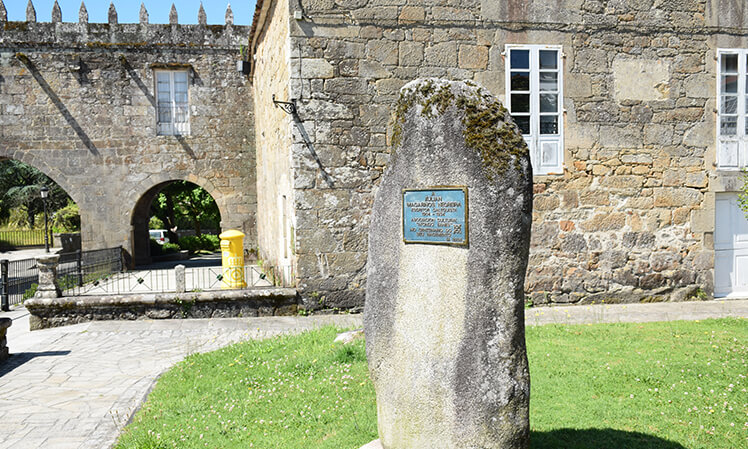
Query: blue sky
128,10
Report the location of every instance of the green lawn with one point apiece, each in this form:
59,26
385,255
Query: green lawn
671,385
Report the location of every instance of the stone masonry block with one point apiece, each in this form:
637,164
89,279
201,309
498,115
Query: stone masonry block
676,197
699,135
373,70
620,137
473,57
441,55
641,79
382,51
450,13
345,50
411,14
411,53
374,115
316,68
605,222
578,85
699,85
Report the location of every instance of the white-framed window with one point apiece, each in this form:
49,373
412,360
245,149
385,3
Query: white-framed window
534,93
732,126
172,98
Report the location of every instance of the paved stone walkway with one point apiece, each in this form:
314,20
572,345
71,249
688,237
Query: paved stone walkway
77,386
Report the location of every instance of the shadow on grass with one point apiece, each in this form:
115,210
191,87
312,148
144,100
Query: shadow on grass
598,439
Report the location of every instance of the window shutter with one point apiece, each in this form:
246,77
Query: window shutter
551,156
728,154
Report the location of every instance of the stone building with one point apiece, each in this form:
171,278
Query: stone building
113,112
634,111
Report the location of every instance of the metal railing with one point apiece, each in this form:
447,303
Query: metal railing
78,269
21,239
212,278
196,279
103,272
19,278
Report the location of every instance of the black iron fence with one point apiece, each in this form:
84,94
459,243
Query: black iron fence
196,279
103,272
22,239
19,278
78,269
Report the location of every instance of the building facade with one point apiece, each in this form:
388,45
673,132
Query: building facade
634,112
113,112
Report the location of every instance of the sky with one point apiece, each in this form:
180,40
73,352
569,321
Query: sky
128,10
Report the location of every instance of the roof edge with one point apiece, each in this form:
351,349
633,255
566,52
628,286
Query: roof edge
258,26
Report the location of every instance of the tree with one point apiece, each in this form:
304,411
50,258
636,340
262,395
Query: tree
184,204
19,188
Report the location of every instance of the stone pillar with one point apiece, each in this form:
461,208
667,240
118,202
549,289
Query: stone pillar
48,287
5,323
181,282
448,249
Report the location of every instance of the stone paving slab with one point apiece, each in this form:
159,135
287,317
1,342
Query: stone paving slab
77,386
639,313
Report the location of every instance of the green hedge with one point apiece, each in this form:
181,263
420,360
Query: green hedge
205,242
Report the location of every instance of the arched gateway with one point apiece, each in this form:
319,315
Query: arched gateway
112,111
142,212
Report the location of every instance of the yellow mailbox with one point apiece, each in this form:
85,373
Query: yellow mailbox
232,259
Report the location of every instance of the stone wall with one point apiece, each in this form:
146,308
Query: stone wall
273,141
633,212
78,103
56,312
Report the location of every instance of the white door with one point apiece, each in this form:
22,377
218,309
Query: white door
730,248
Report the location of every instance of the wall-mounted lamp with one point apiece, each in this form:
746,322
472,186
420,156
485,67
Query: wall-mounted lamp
286,106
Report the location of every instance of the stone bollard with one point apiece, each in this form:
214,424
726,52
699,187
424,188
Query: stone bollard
448,248
5,323
181,281
48,287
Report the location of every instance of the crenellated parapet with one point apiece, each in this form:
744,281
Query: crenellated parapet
115,34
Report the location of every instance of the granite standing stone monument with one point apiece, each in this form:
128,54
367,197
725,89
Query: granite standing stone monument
448,248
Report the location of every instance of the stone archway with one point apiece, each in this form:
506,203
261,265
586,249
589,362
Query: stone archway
139,219
55,200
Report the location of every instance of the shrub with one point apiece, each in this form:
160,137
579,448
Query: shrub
30,292
190,243
211,242
166,248
193,243
67,219
169,248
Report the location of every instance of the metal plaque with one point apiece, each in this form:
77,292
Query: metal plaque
437,216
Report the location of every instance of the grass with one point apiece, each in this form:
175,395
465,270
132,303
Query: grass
655,385
287,392
670,385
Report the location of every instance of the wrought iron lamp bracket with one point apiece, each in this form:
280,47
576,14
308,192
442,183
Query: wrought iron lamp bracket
289,107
